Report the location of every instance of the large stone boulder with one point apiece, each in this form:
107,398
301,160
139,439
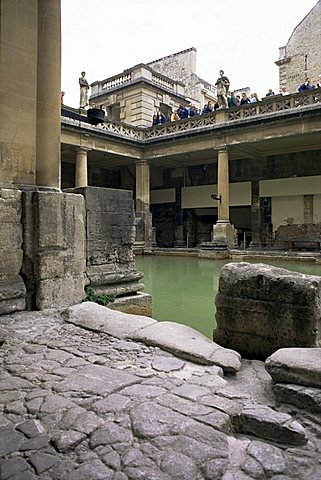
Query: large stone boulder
260,308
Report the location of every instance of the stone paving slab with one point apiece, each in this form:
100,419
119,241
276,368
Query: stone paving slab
186,342
76,404
102,319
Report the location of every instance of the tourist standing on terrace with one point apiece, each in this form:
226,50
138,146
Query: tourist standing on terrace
208,108
254,98
232,100
270,93
283,91
159,118
182,112
245,99
304,87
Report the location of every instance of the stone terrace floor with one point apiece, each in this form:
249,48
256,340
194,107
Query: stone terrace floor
83,405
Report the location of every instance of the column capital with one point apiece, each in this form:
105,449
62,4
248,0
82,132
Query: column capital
223,150
82,148
142,161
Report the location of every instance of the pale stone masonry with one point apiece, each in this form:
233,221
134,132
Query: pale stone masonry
54,249
110,235
300,58
260,308
12,288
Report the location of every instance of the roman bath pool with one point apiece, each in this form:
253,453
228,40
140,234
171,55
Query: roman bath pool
184,288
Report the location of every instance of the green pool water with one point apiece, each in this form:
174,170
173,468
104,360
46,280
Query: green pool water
184,288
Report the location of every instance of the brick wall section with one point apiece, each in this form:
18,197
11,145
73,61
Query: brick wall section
302,57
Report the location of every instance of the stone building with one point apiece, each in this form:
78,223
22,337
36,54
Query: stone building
137,93
300,58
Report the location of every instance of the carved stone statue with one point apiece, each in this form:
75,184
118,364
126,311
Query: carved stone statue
84,87
223,85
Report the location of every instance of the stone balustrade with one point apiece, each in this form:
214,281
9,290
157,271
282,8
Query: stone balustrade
140,71
268,106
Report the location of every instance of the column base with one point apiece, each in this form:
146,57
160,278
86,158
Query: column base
255,246
224,235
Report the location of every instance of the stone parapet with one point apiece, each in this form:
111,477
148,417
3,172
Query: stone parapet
12,288
260,308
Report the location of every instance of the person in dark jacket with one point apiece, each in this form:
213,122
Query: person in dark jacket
245,99
182,112
304,87
207,108
232,100
159,118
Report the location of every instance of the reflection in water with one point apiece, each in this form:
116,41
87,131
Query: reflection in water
184,289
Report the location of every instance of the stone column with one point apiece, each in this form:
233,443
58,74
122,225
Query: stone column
256,217
179,225
143,215
81,179
48,94
224,234
223,186
308,209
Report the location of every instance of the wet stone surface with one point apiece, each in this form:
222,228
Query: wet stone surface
83,405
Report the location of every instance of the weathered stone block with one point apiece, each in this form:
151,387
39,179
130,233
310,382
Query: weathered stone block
139,304
302,397
11,261
301,366
110,231
10,206
12,288
54,246
265,422
260,308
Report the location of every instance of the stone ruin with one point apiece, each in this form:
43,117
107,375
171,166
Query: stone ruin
54,243
261,308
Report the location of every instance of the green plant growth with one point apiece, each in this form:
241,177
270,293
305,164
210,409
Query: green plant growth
102,299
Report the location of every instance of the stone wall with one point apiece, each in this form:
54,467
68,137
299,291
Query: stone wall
260,308
12,288
181,67
301,56
54,249
110,230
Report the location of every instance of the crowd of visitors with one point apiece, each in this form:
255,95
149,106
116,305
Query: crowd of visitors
232,99
183,112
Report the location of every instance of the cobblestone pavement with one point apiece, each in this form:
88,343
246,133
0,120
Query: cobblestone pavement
79,405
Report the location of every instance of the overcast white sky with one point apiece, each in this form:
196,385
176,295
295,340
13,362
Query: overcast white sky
104,37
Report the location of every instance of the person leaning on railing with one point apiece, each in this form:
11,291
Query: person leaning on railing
306,86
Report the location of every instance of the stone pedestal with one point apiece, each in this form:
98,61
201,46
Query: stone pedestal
54,249
110,234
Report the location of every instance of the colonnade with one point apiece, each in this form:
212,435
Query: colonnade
224,234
